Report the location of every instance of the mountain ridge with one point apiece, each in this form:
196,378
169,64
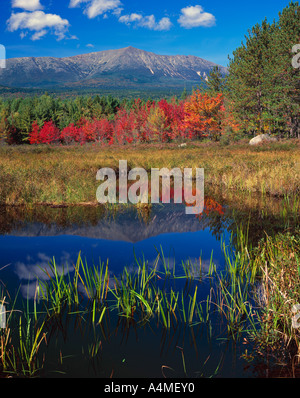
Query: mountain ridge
127,66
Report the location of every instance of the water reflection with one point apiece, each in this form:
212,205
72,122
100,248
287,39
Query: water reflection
32,237
119,239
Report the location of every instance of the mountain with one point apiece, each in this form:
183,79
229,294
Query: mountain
126,67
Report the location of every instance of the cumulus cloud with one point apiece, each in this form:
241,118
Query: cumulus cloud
194,16
39,23
93,8
148,22
28,5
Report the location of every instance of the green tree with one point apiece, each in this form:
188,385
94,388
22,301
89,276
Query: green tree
283,79
246,80
263,87
215,82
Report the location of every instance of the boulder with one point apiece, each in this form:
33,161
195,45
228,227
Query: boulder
262,138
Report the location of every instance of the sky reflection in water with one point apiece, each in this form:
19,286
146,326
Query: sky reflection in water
32,245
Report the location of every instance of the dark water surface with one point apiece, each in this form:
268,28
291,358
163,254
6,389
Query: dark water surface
31,238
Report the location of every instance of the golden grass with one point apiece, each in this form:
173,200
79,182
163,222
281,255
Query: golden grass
56,175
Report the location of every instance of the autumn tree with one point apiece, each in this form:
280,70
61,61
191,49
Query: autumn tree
203,118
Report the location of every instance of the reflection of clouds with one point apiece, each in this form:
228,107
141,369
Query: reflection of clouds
34,269
29,290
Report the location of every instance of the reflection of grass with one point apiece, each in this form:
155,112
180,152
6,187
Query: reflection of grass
68,174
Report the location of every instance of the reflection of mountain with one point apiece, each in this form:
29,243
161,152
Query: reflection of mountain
127,227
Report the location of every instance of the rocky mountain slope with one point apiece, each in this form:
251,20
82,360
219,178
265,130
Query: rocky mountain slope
124,67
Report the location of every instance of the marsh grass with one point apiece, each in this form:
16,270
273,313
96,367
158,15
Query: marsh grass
279,261
67,175
20,342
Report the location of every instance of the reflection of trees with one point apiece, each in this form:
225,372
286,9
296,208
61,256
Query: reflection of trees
214,214
258,215
14,217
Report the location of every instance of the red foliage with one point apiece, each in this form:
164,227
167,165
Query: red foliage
174,123
70,134
34,135
48,134
197,117
88,131
125,127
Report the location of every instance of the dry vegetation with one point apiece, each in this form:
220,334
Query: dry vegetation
67,174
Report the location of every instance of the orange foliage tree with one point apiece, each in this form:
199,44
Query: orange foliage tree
204,115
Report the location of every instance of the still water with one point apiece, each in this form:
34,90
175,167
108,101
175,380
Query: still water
31,238
117,238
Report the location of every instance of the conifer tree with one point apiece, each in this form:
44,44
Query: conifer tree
246,81
215,82
283,78
263,86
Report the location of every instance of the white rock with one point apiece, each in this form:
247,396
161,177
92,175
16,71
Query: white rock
262,138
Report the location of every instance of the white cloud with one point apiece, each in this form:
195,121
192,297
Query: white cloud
38,35
39,23
194,16
28,5
94,8
148,22
164,24
128,19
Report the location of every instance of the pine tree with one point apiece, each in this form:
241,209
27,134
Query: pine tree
263,86
246,81
214,83
283,78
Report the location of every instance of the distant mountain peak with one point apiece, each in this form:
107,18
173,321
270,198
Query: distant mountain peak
123,67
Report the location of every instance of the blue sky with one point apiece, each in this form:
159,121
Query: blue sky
208,29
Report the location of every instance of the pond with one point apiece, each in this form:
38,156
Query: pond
123,237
